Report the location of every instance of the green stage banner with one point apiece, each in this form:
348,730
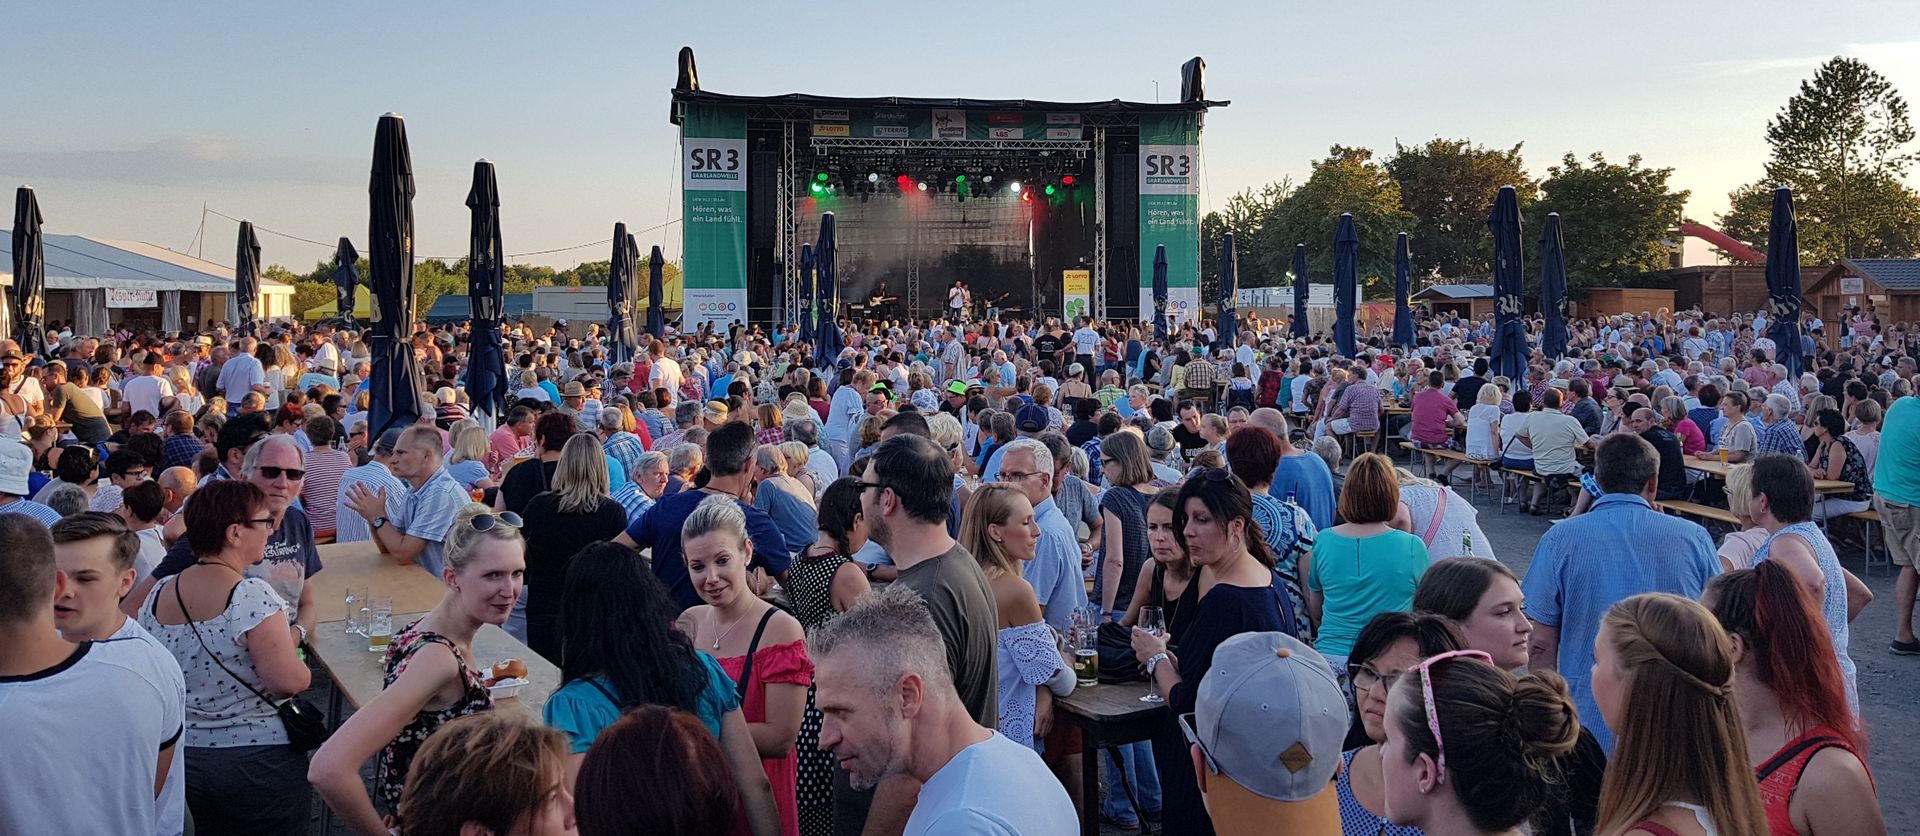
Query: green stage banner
1170,212
713,243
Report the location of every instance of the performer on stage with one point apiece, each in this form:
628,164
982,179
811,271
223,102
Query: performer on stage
957,301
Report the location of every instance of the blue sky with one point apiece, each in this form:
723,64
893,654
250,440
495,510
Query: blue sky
128,117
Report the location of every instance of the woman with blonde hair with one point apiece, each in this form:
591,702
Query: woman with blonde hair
769,419
576,509
1663,672
467,461
1440,517
188,397
1000,530
432,676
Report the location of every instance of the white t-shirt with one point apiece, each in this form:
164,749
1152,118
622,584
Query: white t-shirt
28,388
171,814
1554,435
995,786
145,392
1510,425
1483,436
94,724
1086,340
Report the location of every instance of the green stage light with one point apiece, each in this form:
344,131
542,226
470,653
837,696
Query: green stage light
959,178
1049,188
822,177
816,188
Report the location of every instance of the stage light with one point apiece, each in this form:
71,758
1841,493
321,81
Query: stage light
923,185
1015,185
1050,188
873,177
1026,197
816,188
822,177
904,181
1067,180
959,178
987,179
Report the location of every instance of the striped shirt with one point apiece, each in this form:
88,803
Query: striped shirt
32,509
349,526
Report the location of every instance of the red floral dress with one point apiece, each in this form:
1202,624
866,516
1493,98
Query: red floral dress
779,664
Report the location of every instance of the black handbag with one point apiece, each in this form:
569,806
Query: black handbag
1117,662
306,726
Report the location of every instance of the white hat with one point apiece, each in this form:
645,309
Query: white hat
16,461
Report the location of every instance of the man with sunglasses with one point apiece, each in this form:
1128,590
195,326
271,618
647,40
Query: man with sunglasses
433,500
274,466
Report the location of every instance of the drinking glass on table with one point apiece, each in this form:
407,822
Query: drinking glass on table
1153,620
356,611
379,632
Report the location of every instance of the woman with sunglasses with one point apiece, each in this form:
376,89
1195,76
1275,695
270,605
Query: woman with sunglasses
431,674
1214,523
1806,745
242,776
1470,749
1663,676
1393,642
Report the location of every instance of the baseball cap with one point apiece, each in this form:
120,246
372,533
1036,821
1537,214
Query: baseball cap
389,440
1031,418
1269,719
15,462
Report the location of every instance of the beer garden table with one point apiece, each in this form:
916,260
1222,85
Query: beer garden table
1717,470
1107,715
361,565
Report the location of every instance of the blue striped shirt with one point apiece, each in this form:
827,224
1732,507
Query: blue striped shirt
32,509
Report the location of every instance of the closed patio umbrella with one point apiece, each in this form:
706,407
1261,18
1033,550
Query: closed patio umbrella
394,399
486,286
29,274
1509,350
1783,283
1346,285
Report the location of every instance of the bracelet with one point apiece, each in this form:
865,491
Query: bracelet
1154,661
303,631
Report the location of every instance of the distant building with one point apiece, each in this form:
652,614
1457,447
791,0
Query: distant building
95,283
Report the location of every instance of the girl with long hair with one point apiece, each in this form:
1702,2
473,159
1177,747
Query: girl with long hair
1214,523
1128,469
689,792
1000,532
1793,706
575,510
1663,678
431,677
1470,749
761,647
620,650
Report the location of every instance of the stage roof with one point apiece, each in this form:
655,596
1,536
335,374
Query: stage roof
1115,106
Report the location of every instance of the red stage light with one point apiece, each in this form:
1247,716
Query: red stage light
1026,197
1067,180
904,181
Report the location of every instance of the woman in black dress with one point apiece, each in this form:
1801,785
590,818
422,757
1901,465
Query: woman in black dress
574,511
1214,523
821,584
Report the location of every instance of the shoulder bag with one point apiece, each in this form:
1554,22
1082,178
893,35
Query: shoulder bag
306,726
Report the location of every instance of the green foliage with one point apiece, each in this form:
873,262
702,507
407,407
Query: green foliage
1614,218
1840,144
1449,185
1244,215
1348,180
433,278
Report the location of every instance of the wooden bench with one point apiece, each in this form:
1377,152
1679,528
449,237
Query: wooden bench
1869,521
1695,509
1429,455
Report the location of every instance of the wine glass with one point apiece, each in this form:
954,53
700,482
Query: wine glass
1154,621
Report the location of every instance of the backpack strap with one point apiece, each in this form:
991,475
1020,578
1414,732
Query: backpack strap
746,669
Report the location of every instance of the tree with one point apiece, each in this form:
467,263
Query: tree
1244,215
1449,185
1615,219
1840,144
1348,180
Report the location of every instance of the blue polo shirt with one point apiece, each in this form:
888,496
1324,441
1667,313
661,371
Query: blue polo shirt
659,529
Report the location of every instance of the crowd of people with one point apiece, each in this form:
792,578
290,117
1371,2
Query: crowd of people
844,596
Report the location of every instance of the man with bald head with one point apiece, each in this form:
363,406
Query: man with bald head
1673,460
1301,476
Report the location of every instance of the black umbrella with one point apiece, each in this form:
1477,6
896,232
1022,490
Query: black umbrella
1783,283
1300,290
486,286
827,342
29,274
1229,291
1160,292
1346,285
1509,350
656,294
346,277
622,272
1553,288
1402,285
246,278
394,400
807,328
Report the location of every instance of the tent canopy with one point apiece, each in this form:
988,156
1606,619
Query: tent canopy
362,307
76,262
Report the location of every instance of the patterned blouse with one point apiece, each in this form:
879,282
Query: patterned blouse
398,755
1028,658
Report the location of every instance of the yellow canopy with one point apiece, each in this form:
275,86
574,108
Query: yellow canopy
362,307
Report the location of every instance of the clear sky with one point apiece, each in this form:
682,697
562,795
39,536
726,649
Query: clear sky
128,117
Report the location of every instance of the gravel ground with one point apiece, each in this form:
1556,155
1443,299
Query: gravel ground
1887,682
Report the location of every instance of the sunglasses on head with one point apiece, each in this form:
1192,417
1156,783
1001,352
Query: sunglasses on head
487,522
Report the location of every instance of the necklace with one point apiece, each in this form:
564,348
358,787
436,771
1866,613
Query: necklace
723,633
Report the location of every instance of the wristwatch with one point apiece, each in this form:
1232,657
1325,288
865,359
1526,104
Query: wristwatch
379,523
1154,661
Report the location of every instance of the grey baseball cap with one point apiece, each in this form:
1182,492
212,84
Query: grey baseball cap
1270,716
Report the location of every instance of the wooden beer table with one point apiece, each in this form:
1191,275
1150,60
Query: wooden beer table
358,676
1107,715
1713,468
361,565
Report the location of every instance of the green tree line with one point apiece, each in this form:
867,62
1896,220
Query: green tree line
433,278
